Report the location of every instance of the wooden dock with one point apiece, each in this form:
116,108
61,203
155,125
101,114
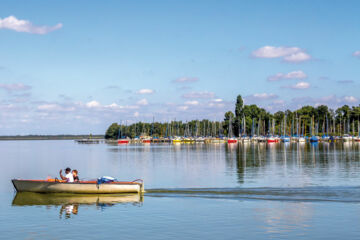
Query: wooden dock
89,141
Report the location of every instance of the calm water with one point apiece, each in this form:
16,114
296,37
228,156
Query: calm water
251,191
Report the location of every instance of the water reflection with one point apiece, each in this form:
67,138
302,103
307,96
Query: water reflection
70,203
294,164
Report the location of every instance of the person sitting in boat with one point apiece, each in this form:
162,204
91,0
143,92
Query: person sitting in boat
68,177
75,175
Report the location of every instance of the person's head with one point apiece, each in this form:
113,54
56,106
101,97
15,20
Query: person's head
67,170
75,172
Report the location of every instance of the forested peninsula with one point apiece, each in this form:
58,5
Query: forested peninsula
251,120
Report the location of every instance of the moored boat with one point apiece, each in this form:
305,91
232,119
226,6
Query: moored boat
346,138
301,139
199,139
177,140
271,139
83,187
245,139
314,139
188,140
146,140
285,139
332,139
232,140
123,141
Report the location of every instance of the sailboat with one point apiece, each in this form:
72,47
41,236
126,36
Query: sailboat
313,137
198,138
253,135
270,138
244,137
187,136
325,136
176,139
121,138
231,138
145,138
284,137
346,137
357,138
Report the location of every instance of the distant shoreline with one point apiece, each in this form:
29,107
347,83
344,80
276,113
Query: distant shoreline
50,137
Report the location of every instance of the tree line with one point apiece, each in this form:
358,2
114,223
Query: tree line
251,120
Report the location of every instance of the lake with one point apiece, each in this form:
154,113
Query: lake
194,191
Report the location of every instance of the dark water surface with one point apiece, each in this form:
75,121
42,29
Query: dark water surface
251,191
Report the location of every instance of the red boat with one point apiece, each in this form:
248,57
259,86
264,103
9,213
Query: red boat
272,140
146,140
232,140
123,141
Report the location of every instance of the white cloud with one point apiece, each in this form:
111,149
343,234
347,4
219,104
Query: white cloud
291,75
47,107
332,101
113,106
216,104
264,95
289,54
18,25
186,80
260,97
218,100
183,108
55,107
93,104
350,99
15,87
145,91
202,95
297,57
299,85
136,114
192,102
356,54
143,102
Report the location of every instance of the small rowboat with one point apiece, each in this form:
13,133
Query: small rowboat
83,187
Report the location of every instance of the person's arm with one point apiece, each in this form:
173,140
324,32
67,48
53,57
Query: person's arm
61,176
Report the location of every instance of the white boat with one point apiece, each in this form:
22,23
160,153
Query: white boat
346,138
301,139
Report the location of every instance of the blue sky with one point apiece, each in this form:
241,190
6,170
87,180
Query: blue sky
77,66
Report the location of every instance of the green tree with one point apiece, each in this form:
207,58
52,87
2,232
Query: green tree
112,132
239,106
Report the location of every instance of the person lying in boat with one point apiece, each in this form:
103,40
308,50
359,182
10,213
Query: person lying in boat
68,177
75,175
